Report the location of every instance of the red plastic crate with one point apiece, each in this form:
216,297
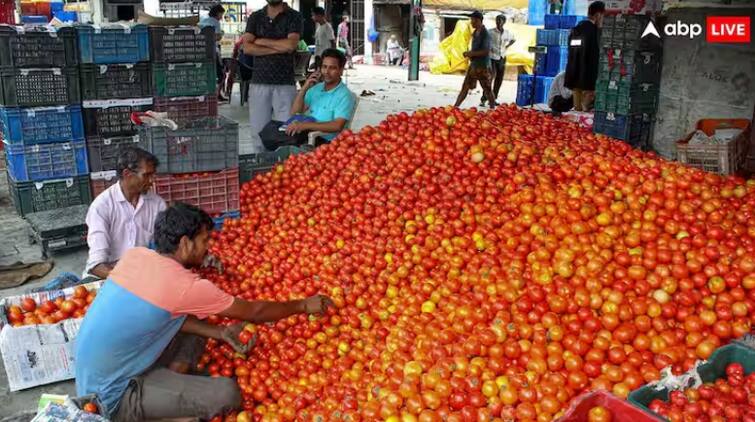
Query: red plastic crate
214,192
7,12
36,8
621,411
101,180
185,110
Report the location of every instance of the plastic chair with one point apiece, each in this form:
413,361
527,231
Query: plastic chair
312,136
301,64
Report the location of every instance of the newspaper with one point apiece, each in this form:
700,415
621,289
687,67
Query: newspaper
66,412
39,354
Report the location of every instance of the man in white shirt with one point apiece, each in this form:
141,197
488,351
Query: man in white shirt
500,40
395,52
325,38
560,97
123,216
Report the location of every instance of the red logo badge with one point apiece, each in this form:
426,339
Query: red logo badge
728,29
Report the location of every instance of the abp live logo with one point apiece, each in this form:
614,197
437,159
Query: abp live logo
719,29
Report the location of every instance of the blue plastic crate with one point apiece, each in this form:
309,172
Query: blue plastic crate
634,129
523,90
536,11
543,36
552,21
47,161
541,63
552,37
570,21
41,125
32,20
221,219
113,44
56,6
542,87
65,16
561,37
555,61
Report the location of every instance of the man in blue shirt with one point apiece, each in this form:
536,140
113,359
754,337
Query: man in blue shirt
144,332
479,62
330,103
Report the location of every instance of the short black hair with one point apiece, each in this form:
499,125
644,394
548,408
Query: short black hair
131,157
318,11
216,10
596,7
501,17
336,54
177,221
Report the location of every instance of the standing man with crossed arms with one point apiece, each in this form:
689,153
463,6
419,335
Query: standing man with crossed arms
272,35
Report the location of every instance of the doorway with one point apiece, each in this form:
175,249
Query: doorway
448,25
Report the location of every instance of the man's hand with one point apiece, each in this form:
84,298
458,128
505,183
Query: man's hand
465,54
294,128
317,304
230,335
312,80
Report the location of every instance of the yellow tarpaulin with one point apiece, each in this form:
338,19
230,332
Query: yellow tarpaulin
476,4
451,59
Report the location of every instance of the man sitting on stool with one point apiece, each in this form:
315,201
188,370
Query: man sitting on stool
325,106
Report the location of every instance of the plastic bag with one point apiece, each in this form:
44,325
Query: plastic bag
452,48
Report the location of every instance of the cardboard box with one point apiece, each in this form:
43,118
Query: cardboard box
39,354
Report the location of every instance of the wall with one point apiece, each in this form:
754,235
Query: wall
701,80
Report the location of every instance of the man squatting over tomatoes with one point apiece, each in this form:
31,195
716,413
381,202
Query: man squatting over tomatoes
144,331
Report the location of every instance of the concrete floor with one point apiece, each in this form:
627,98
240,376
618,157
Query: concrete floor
393,94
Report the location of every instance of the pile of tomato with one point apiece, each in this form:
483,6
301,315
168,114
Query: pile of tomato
484,266
731,397
29,312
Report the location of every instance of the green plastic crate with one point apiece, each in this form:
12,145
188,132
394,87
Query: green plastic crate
626,97
640,66
251,165
29,197
184,79
713,369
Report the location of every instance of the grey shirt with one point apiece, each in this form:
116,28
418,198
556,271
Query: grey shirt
480,41
323,37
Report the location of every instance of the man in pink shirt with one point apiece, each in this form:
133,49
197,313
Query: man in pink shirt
123,216
144,332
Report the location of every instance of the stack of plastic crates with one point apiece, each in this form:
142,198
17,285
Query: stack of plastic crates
548,64
41,119
627,89
198,163
184,73
116,80
198,160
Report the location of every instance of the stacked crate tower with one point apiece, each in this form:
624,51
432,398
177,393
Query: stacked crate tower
115,81
40,110
198,160
626,93
555,38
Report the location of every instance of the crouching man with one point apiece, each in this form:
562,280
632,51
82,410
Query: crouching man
144,332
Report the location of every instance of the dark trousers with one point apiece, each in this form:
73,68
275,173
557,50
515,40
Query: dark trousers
560,104
498,69
161,393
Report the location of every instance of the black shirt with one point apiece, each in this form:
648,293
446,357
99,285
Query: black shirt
274,69
584,53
